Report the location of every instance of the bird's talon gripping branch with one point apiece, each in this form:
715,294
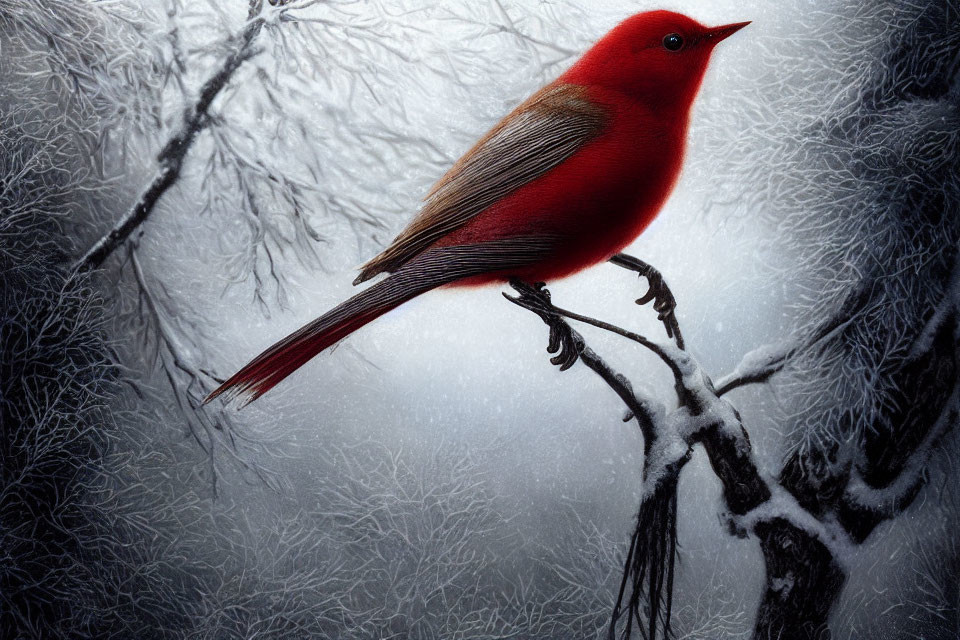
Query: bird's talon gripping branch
563,339
658,292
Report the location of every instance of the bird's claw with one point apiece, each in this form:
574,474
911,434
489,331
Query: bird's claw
663,301
658,292
564,341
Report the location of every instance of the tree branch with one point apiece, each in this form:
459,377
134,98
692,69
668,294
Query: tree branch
190,383
171,157
763,363
571,345
797,548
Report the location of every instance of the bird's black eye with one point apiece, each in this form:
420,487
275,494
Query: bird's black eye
672,42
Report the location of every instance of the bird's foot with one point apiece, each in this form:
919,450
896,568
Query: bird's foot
658,292
564,341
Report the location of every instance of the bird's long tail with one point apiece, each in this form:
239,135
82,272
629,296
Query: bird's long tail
431,269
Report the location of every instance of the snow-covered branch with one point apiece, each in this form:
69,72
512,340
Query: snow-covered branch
801,546
764,362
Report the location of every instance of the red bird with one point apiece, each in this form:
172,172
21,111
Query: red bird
565,181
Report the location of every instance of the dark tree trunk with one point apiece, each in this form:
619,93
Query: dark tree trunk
803,583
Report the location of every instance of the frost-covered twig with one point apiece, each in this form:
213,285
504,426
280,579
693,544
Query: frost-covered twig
171,158
189,382
761,364
801,545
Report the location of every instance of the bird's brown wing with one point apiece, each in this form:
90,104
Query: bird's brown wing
535,137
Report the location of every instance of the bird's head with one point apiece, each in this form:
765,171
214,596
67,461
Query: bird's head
658,57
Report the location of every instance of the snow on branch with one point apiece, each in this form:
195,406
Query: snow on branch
762,363
803,548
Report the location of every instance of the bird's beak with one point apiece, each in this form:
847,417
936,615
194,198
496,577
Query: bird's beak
715,35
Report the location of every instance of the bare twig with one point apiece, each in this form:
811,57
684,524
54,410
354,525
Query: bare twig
571,345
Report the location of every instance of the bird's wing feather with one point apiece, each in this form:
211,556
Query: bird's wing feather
432,268
535,137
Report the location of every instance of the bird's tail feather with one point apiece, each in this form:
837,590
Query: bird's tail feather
286,356
431,269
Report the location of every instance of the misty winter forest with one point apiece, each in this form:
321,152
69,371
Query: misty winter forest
184,182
